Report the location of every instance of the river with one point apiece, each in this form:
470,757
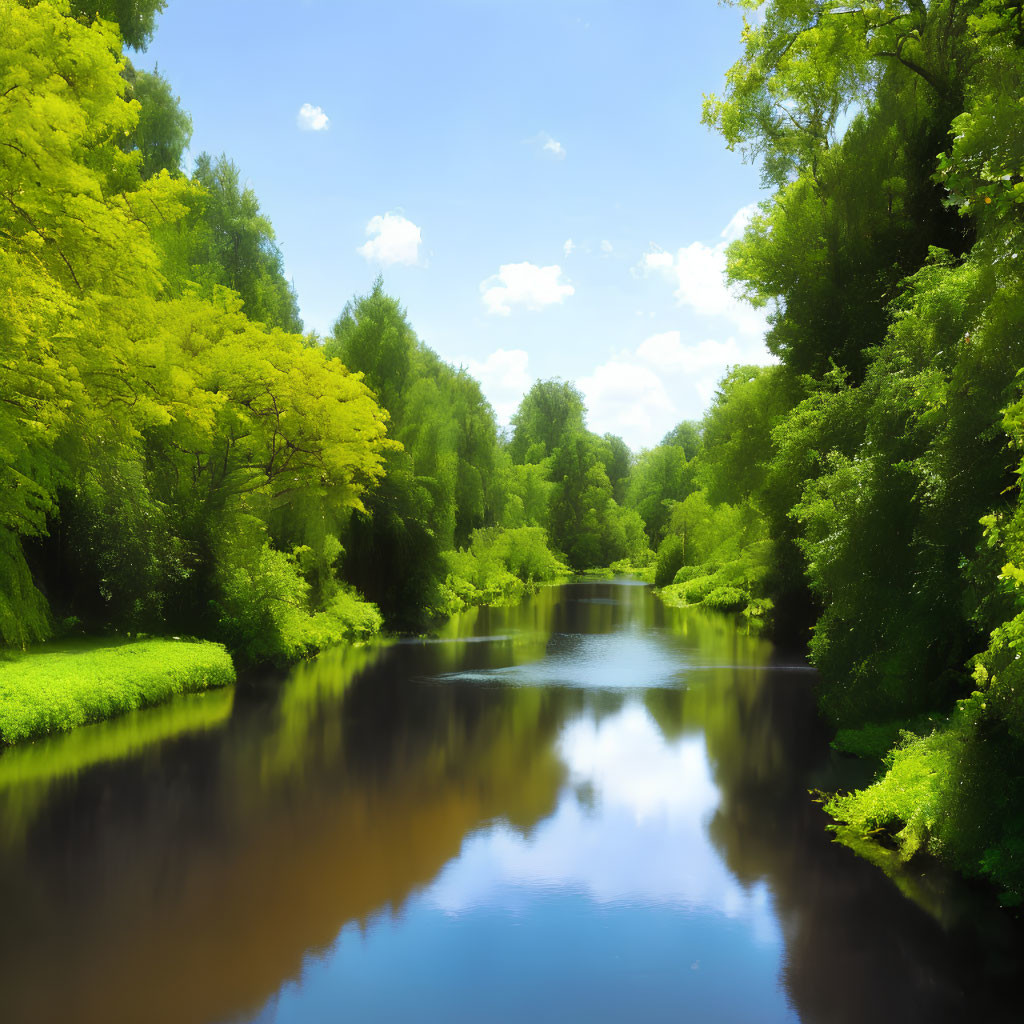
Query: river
588,807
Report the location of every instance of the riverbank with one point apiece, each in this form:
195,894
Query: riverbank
56,687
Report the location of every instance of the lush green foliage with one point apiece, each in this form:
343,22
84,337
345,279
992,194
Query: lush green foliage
155,441
53,689
879,454
567,479
499,566
176,457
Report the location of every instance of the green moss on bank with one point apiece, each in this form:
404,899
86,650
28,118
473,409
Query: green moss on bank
55,688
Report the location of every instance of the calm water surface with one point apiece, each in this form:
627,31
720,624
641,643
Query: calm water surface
586,808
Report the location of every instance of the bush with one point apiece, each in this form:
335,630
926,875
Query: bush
694,591
263,608
670,561
52,690
498,567
955,792
691,572
726,599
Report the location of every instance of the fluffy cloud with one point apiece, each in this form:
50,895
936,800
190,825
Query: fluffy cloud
642,393
554,147
524,284
699,366
698,273
568,247
667,352
312,119
606,246
393,239
504,378
627,398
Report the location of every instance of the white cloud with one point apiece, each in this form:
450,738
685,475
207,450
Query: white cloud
524,284
740,219
554,147
568,247
606,246
667,352
627,398
698,365
504,378
312,119
649,798
393,239
698,273
642,393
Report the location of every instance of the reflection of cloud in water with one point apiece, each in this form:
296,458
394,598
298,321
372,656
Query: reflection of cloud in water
631,768
626,659
637,838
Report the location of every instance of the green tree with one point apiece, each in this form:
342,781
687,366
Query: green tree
660,477
164,130
136,19
550,411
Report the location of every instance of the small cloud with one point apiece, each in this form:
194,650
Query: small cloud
553,146
524,284
393,239
312,119
606,246
568,247
504,379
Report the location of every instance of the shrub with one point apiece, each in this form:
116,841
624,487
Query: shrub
691,572
670,561
264,613
726,599
498,567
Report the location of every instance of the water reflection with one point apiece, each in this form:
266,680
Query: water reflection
585,807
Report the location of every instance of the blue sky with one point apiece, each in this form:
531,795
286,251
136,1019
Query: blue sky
531,178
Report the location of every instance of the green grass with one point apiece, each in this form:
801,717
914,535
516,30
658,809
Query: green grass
54,688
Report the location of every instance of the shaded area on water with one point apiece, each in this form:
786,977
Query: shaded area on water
586,805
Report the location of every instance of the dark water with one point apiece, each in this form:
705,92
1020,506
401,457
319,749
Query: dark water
586,808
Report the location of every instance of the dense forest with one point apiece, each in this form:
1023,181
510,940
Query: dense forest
178,456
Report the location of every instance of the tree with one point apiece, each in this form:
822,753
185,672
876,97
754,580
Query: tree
550,411
77,267
685,435
373,336
226,240
136,19
164,130
661,476
618,461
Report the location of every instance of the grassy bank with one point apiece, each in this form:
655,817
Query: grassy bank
54,688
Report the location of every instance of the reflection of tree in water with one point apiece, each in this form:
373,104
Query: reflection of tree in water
206,869
856,950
